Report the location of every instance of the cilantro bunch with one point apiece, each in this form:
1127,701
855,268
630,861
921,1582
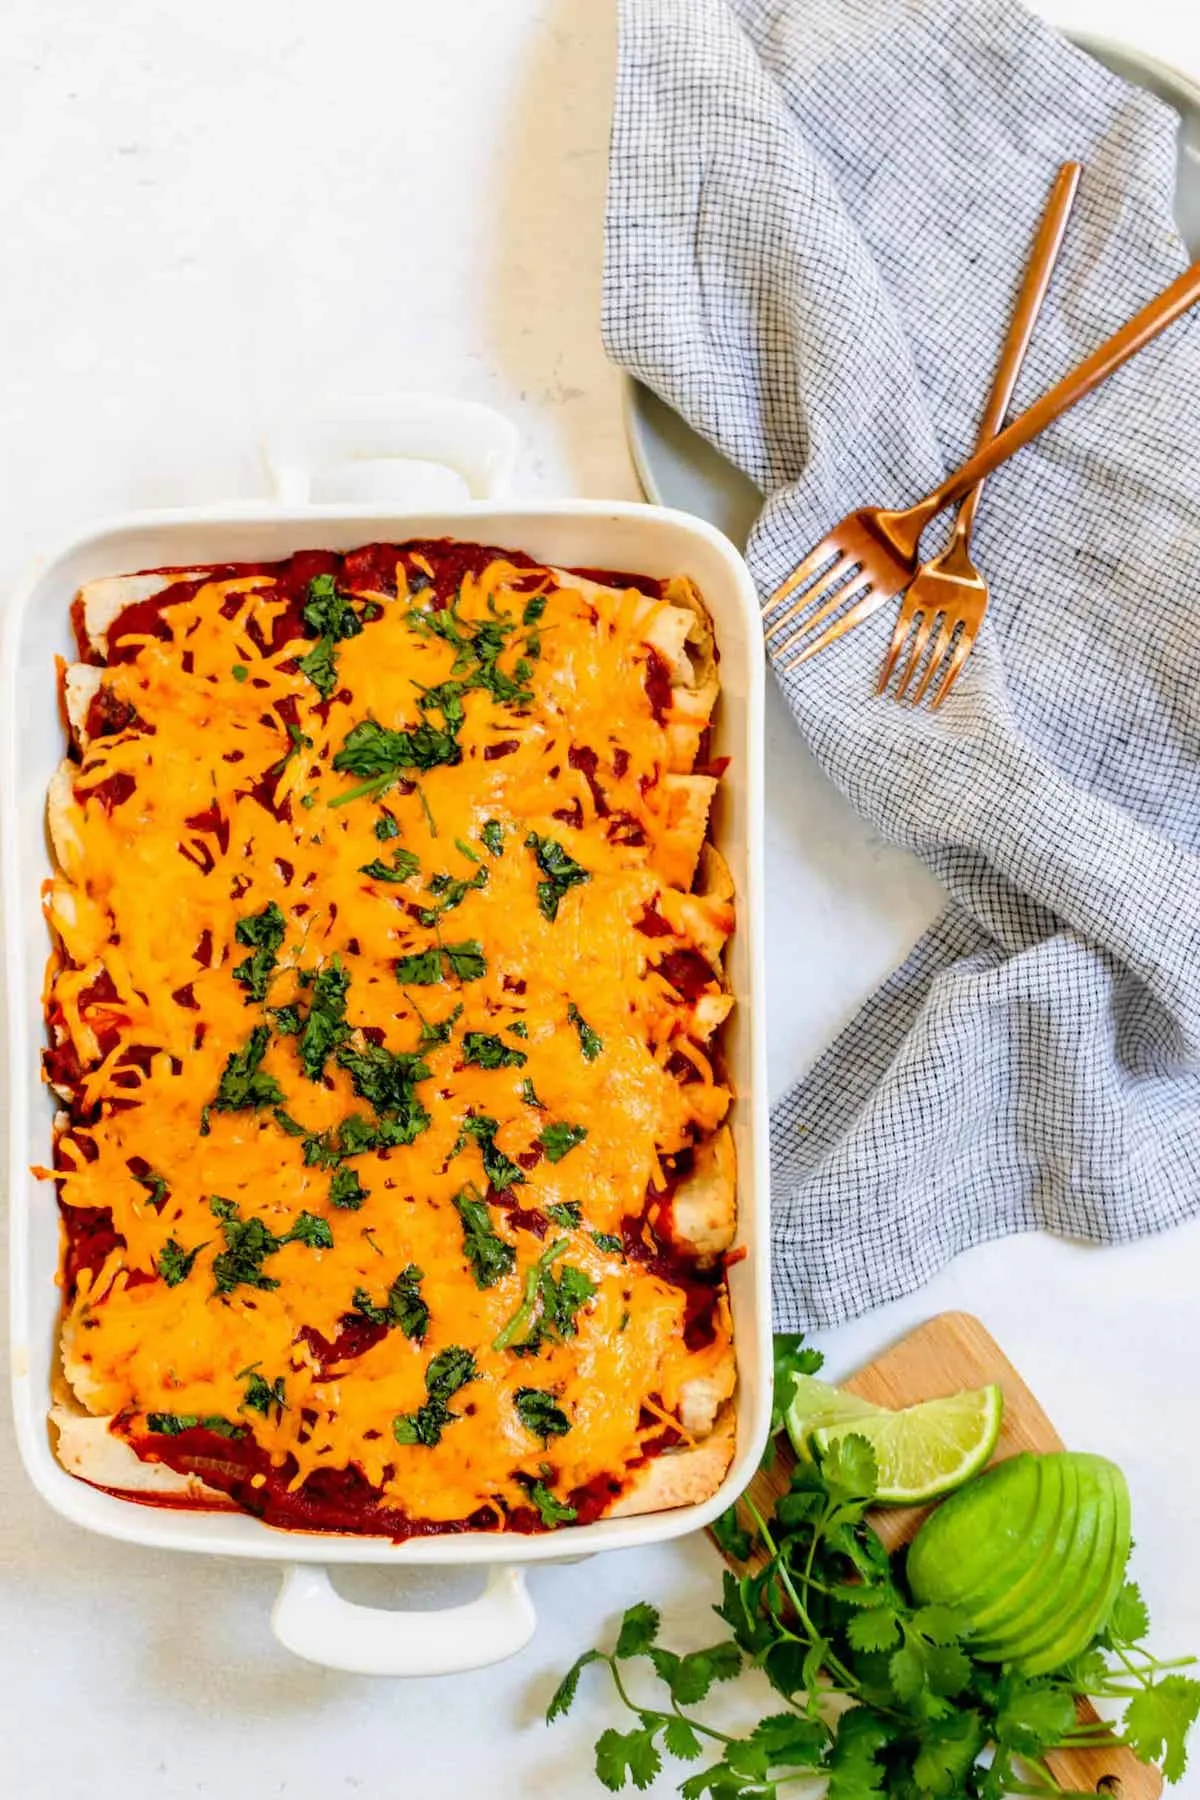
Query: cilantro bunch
880,1697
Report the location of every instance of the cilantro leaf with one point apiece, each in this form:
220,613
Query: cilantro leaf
310,1230
489,1256
324,1027
730,1535
849,1467
948,1750
403,866
174,1263
553,1512
1157,1721
529,1096
1130,1620
386,826
467,961
563,1697
321,666
487,1051
448,1371
380,755
874,1630
791,1358
560,870
629,1755
440,1031
1031,1719
558,1138
420,969
493,836
262,933
500,1170
244,1085
609,1241
639,1630
589,1042
346,1190
681,1740
517,1330
172,1424
404,1307
540,1414
566,1213
328,613
263,1395
386,1080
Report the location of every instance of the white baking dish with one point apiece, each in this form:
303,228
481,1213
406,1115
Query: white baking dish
310,1617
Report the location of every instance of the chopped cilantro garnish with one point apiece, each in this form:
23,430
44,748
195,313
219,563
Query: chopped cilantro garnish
403,866
553,1512
493,836
529,1095
171,1424
567,1212
248,1242
607,1240
331,617
448,1371
380,755
244,1086
385,1079
324,1027
386,826
403,1308
287,1124
490,1256
561,873
262,1395
263,934
449,891
518,1327
422,969
487,1051
321,666
157,1189
533,610
589,1042
540,1413
558,1138
346,1190
240,672
174,1263
499,1169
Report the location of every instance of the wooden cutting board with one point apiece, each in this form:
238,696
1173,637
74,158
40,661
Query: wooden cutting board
947,1353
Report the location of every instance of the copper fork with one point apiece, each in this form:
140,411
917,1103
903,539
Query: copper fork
948,592
867,559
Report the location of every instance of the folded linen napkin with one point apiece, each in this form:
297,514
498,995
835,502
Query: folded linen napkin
819,215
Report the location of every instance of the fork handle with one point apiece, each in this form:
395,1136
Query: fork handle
1044,255
1133,336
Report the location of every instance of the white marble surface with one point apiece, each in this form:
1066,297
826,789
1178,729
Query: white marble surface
209,214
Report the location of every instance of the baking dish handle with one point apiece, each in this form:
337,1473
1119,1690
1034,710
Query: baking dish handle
475,441
311,1619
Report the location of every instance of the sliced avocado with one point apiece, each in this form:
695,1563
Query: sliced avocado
1105,1580
1070,1589
981,1536
1010,1598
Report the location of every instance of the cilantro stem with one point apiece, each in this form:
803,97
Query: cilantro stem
378,785
651,1712
814,1636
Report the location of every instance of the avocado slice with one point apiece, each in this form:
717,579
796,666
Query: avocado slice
981,1536
1071,1588
1106,1578
1008,1599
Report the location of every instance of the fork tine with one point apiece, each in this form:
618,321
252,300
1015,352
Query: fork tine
904,618
827,594
958,657
937,656
918,642
869,601
827,551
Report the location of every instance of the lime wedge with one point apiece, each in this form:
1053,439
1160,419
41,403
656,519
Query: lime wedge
925,1450
815,1404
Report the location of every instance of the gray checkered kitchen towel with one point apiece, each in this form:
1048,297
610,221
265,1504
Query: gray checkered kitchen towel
819,214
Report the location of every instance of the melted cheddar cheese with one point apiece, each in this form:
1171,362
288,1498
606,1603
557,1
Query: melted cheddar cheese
516,1045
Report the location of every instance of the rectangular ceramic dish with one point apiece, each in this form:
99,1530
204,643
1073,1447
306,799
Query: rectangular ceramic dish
310,1617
